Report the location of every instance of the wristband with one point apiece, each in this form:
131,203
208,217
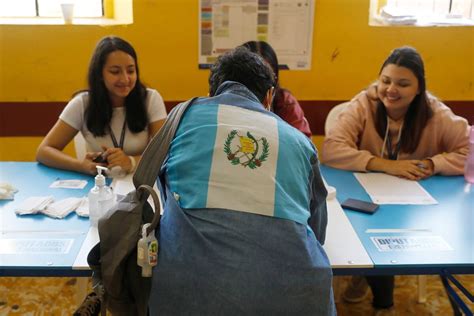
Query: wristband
133,162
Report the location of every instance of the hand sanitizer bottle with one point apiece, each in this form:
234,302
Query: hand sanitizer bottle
101,198
469,166
147,251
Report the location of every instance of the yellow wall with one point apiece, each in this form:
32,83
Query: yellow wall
49,63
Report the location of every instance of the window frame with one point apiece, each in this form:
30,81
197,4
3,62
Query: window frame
386,13
115,12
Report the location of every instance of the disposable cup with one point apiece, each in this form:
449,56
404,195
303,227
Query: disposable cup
68,12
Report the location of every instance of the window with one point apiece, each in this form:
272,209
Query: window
49,8
422,12
50,12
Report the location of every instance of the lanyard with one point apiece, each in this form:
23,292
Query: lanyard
392,155
122,136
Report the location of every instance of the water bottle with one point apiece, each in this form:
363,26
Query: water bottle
101,198
469,167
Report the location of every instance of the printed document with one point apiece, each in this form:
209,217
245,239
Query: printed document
410,243
386,189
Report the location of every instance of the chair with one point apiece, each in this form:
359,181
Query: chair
333,115
80,146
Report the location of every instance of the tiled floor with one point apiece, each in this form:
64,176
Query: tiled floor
406,298
56,296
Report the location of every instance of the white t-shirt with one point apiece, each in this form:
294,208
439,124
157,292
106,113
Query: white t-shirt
134,143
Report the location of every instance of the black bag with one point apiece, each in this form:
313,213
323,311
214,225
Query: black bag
117,278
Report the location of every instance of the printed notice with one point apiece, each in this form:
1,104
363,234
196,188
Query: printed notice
35,246
287,25
410,243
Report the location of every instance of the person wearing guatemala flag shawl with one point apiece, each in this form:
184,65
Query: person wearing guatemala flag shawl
244,206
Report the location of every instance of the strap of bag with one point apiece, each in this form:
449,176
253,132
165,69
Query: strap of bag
145,188
155,153
153,157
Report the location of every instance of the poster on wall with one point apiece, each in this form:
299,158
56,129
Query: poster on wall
287,25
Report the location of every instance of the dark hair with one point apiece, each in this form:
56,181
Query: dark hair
419,111
266,51
245,67
99,111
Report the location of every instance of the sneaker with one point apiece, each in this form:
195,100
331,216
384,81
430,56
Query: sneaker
89,307
356,290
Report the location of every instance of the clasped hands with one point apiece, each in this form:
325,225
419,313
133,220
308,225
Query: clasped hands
113,157
409,169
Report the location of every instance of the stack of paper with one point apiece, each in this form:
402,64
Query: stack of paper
62,208
34,204
393,15
47,206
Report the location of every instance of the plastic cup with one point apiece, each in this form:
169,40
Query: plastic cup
68,12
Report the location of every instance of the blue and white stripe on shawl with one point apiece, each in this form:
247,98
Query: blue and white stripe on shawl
225,156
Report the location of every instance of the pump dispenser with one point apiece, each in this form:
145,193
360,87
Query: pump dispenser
147,251
101,198
469,167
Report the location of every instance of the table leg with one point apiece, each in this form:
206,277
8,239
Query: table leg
337,282
81,289
422,289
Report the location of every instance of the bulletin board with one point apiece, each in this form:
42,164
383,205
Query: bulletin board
287,25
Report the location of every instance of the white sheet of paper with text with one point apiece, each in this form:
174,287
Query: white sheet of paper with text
386,189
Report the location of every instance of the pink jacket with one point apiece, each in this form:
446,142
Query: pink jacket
353,141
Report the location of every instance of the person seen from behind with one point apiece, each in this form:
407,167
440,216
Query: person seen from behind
244,206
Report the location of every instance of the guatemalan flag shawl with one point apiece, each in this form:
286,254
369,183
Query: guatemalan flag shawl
241,159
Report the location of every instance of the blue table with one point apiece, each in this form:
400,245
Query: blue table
70,237
452,219
37,245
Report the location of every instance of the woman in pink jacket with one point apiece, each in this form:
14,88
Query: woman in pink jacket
398,128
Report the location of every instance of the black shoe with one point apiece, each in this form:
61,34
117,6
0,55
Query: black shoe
90,306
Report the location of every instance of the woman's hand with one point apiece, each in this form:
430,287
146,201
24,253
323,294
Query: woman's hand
116,157
88,165
428,166
408,169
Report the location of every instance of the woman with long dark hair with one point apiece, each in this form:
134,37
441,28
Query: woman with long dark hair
398,128
117,115
284,103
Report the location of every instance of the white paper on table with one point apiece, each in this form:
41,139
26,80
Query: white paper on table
34,204
62,208
124,185
386,189
69,184
410,243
